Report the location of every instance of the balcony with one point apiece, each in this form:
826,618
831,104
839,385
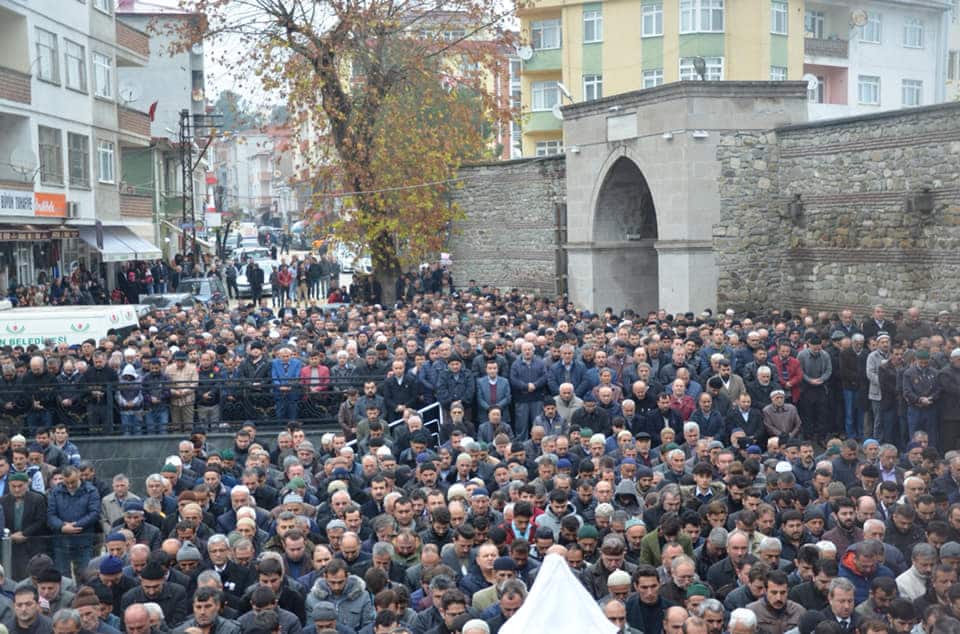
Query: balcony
14,85
133,46
136,206
834,47
133,122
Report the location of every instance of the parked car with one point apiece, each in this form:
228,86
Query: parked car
243,286
189,292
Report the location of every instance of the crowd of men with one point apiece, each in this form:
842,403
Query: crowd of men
749,474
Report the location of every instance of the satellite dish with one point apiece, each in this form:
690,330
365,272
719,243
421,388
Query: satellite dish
24,162
525,53
557,112
128,93
197,49
812,81
858,17
197,94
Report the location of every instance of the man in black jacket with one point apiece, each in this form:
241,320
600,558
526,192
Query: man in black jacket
399,391
25,515
171,597
40,390
98,383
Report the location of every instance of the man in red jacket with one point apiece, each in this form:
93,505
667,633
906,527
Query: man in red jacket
788,370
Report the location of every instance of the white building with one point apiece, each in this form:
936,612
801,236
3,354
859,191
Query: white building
170,82
63,132
898,58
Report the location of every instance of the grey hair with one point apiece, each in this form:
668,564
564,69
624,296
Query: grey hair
120,477
383,548
679,561
840,583
477,625
744,617
690,426
209,575
514,586
66,614
770,544
709,605
923,550
154,609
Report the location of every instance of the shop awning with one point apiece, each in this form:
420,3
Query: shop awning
120,244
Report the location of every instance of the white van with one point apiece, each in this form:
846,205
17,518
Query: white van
63,324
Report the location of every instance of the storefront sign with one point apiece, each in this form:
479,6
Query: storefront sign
50,205
17,202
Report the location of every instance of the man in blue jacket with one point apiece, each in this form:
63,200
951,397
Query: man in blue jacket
73,510
568,370
528,378
285,372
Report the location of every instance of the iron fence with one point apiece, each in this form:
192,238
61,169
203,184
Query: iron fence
157,406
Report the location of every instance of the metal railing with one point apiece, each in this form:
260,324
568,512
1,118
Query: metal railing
222,404
432,417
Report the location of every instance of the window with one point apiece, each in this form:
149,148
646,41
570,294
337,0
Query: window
78,159
871,31
653,77
714,72
778,73
815,95
813,24
913,33
549,148
701,16
868,90
778,17
454,35
545,95
592,87
652,24
47,67
102,76
952,58
592,26
545,34
51,155
105,158
74,66
103,5
912,92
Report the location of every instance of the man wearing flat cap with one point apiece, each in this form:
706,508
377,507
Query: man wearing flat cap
781,418
25,516
921,391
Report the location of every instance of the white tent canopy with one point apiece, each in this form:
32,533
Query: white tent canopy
558,603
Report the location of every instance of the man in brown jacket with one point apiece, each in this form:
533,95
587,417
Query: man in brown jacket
183,385
775,612
781,418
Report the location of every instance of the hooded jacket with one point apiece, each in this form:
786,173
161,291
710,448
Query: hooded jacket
625,497
129,394
354,606
551,520
861,583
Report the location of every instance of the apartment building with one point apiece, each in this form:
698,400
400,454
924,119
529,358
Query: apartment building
63,133
866,56
596,49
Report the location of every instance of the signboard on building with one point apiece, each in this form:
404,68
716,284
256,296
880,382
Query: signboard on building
16,202
50,205
19,202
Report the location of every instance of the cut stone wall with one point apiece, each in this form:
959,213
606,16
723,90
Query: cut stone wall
856,243
507,237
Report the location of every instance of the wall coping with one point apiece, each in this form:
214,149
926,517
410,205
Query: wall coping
516,161
687,90
873,116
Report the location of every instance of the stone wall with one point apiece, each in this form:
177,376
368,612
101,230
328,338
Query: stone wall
507,237
857,242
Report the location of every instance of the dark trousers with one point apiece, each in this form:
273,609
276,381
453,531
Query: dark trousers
815,411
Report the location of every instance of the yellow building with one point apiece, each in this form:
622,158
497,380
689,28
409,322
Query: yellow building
597,49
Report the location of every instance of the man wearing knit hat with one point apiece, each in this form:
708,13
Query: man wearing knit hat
87,606
504,569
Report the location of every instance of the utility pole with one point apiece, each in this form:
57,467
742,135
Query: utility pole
191,127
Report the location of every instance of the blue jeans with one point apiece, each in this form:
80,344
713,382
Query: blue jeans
853,415
525,412
924,419
131,423
286,409
72,549
157,419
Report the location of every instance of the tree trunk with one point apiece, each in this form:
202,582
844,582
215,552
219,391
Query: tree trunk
386,267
